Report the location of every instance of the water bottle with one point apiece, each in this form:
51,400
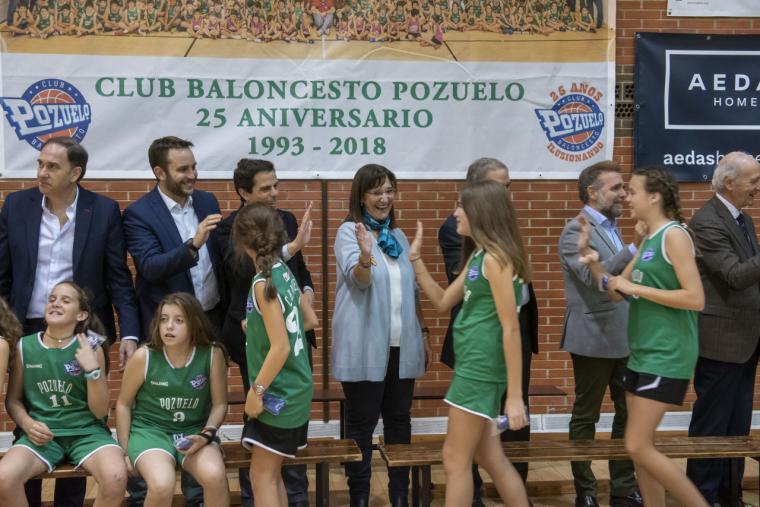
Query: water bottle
501,423
273,404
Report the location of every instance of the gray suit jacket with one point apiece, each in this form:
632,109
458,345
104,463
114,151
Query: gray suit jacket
729,326
595,326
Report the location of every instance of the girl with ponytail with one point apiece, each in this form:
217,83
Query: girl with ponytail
664,288
279,400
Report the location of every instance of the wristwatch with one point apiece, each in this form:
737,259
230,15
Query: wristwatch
259,389
92,375
193,249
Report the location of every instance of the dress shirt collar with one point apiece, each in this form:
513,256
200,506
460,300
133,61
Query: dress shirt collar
171,204
71,210
600,218
731,208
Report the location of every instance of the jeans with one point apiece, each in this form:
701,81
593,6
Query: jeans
365,402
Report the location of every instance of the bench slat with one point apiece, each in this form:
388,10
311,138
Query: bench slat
428,452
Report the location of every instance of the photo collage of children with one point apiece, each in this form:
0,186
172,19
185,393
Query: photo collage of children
426,21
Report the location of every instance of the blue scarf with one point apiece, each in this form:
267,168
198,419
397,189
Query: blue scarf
385,240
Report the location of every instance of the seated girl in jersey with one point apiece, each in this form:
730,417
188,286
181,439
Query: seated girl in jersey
486,340
10,332
173,399
58,397
665,291
278,362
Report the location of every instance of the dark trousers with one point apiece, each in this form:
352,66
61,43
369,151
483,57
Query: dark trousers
592,377
723,408
365,402
68,492
599,14
522,435
294,476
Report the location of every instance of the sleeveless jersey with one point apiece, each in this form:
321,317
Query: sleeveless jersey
88,22
663,341
114,17
151,17
43,23
101,12
478,335
172,11
65,18
175,400
55,389
294,381
132,15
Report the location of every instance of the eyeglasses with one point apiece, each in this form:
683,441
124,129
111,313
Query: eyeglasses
390,192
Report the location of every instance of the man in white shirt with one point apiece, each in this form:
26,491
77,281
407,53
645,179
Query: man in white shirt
170,234
59,231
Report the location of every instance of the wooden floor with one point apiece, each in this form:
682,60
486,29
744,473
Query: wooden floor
459,46
549,484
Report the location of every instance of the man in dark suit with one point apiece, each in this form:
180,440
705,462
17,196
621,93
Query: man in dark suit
729,325
171,238
256,181
451,246
170,234
596,329
60,231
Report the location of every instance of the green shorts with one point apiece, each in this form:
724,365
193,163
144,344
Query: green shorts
74,449
142,440
475,396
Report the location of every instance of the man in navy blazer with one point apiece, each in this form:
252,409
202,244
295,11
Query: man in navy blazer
60,231
170,234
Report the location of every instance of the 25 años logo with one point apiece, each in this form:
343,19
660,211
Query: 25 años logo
574,123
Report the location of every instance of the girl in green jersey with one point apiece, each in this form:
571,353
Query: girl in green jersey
10,332
666,293
58,397
175,389
278,363
486,340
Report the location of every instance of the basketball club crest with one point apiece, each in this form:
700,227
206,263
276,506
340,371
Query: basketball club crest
48,108
574,124
73,368
199,381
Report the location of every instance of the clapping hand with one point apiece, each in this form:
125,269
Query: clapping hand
303,236
587,254
415,249
364,240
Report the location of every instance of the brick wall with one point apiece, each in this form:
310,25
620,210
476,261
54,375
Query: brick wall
544,207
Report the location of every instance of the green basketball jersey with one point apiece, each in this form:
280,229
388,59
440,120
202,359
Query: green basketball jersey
43,23
294,382
132,15
478,335
663,341
88,22
175,400
55,390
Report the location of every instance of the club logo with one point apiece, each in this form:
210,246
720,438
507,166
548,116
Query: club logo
199,381
575,122
473,273
647,255
48,108
73,368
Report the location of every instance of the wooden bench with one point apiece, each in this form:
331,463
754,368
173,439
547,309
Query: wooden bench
420,393
425,450
321,452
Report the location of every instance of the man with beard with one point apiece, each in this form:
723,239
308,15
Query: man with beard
170,236
595,331
256,181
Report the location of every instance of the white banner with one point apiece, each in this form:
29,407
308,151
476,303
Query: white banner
316,120
704,8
